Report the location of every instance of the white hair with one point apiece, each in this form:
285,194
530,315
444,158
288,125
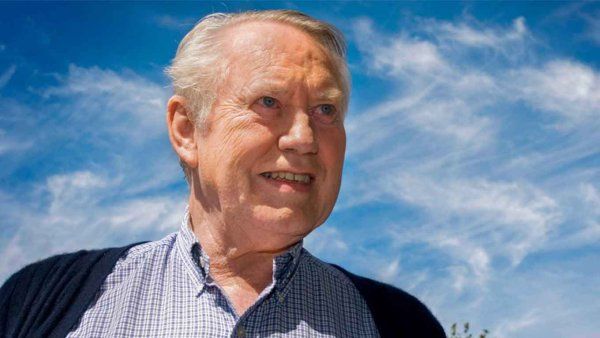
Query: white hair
198,64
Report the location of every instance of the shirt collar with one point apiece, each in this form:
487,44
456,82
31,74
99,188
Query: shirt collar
198,262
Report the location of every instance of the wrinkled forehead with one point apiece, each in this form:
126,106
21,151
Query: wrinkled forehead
260,44
269,36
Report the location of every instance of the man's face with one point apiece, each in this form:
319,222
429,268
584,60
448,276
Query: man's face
270,158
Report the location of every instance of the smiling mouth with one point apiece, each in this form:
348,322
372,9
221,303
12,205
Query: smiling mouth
288,177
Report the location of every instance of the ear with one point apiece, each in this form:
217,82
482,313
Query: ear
182,131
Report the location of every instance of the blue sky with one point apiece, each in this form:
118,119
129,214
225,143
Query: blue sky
471,177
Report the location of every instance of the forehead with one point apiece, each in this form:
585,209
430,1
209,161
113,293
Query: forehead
261,46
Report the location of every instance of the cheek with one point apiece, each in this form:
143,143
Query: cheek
230,137
239,149
333,148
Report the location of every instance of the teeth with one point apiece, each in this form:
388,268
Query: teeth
288,176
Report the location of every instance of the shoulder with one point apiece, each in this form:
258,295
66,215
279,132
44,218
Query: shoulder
84,260
64,268
396,312
329,293
325,271
67,281
64,265
331,280
146,253
138,261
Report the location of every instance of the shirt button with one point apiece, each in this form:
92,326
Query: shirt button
241,333
280,297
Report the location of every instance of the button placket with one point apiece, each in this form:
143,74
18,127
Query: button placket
240,331
280,297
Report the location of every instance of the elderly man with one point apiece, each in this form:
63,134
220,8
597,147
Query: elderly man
257,121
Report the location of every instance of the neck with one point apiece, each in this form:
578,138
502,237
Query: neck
240,271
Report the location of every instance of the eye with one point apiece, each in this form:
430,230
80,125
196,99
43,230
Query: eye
326,113
327,109
268,101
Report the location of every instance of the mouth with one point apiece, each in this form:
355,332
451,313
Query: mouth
286,176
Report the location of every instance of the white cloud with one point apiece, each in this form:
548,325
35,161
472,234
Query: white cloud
443,92
108,188
9,144
453,119
73,190
472,256
397,55
175,23
431,133
448,118
436,95
475,221
7,75
17,121
505,202
156,213
105,135
13,253
83,208
568,88
482,187
593,26
583,217
511,219
483,37
108,119
547,300
390,272
326,241
592,197
509,327
106,101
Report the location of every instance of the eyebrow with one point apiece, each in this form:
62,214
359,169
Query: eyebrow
275,87
330,94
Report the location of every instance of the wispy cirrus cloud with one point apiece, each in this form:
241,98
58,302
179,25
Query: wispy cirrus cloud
593,26
397,55
175,23
485,187
9,144
111,102
567,88
104,109
7,75
501,219
477,35
67,210
587,13
448,111
112,193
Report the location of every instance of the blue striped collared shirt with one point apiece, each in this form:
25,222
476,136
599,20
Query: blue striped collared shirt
164,289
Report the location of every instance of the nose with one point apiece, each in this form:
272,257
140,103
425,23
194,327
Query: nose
300,136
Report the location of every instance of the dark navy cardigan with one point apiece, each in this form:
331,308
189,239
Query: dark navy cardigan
47,298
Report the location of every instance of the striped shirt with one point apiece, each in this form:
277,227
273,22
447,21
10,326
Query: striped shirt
164,289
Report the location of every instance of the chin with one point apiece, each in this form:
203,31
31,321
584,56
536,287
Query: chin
284,221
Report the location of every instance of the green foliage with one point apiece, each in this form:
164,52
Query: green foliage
455,332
